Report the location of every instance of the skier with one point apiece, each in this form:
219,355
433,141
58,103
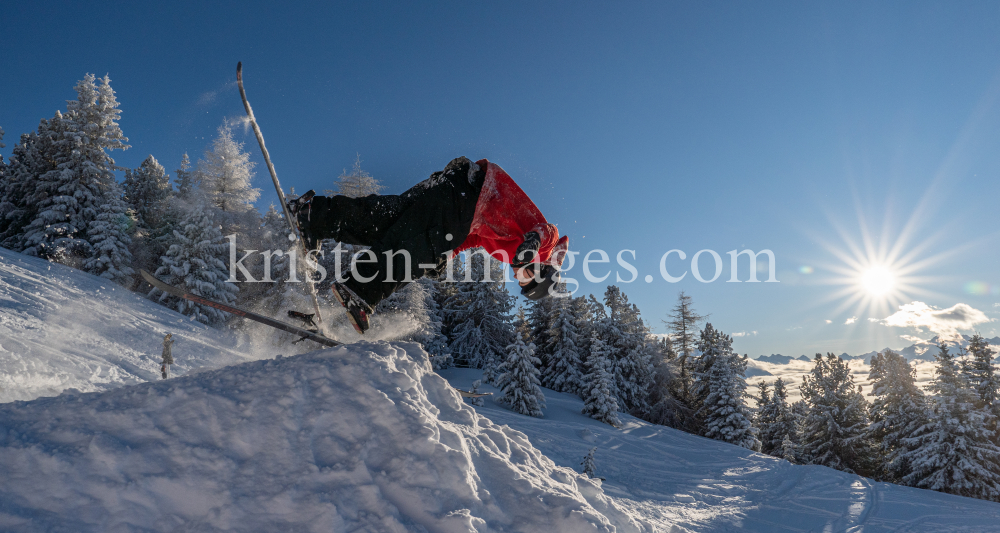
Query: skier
168,358
466,205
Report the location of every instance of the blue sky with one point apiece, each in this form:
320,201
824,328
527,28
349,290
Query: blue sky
795,127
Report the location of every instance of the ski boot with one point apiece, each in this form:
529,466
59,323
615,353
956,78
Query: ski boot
357,310
300,209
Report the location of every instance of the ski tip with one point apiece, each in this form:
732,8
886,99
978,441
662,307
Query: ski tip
239,69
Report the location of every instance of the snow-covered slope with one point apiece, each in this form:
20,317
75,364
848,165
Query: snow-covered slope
358,438
680,482
61,328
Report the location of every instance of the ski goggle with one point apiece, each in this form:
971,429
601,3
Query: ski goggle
541,286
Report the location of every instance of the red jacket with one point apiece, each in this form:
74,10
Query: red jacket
503,215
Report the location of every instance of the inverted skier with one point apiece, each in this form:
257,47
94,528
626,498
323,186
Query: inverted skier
464,206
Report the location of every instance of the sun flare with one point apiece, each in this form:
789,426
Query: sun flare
878,280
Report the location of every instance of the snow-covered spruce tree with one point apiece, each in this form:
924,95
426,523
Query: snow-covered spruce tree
712,344
664,406
518,380
589,465
835,427
896,414
599,399
954,452
982,376
624,334
195,261
225,175
562,371
148,192
480,311
356,183
725,413
110,257
67,198
417,304
539,321
775,421
27,162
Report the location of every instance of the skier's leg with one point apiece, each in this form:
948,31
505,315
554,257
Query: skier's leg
433,217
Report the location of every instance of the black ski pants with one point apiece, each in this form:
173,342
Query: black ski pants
431,218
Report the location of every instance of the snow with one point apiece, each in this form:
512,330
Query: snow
364,437
61,328
359,438
677,482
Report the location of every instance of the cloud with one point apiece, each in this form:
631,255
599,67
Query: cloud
945,322
913,339
851,320
745,334
829,321
874,319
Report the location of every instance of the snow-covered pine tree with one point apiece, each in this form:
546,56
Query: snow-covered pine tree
725,413
356,183
835,428
562,371
897,412
187,181
480,311
518,380
22,170
69,196
589,465
954,452
110,257
599,399
789,451
776,421
195,261
225,176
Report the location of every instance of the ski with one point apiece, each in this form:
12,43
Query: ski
180,293
277,185
469,394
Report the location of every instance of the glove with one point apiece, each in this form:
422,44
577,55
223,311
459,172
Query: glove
299,208
527,251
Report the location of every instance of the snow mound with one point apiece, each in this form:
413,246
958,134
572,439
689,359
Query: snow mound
358,438
61,328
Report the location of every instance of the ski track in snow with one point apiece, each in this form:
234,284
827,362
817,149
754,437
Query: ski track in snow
676,481
61,328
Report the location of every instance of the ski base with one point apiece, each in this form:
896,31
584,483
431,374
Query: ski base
277,324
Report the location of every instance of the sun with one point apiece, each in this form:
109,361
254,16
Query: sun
878,281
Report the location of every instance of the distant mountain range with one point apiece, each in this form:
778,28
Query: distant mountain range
919,351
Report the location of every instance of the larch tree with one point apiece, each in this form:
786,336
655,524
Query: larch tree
356,183
225,176
683,327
